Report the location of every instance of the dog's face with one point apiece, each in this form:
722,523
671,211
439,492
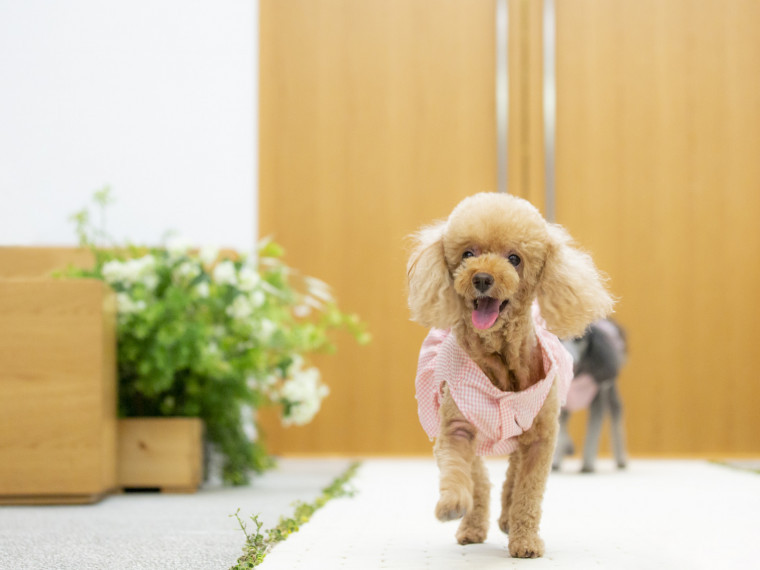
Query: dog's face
495,247
488,262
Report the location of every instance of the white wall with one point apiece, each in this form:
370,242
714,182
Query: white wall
156,98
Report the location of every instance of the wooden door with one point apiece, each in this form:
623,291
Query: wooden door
375,118
658,172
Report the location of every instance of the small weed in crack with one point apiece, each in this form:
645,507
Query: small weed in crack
258,544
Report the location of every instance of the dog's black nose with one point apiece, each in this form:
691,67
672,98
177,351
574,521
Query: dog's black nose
482,281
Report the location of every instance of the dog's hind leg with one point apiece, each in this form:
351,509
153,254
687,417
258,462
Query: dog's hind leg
474,525
594,429
564,443
618,431
454,452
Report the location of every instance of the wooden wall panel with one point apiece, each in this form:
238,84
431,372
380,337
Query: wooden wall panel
658,139
378,116
375,117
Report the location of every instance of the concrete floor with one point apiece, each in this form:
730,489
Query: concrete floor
157,531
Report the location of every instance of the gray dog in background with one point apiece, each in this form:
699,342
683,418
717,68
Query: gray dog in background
598,357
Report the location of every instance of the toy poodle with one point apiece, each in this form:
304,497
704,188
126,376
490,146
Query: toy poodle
598,357
497,284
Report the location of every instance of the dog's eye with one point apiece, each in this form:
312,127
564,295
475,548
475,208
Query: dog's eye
514,259
467,254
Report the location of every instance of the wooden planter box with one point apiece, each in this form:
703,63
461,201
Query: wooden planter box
57,391
160,453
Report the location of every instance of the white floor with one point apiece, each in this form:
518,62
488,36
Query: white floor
655,514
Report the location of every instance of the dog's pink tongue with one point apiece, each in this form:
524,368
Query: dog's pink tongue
486,314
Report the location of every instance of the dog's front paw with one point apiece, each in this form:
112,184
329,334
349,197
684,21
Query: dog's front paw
526,546
453,505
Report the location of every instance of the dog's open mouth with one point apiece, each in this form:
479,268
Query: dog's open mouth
486,311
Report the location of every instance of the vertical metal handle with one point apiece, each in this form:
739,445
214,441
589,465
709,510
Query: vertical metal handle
550,106
502,92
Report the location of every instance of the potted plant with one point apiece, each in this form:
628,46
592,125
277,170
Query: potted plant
215,335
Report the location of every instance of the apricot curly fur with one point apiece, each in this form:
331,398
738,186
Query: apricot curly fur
571,294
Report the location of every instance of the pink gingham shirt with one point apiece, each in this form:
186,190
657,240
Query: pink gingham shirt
498,416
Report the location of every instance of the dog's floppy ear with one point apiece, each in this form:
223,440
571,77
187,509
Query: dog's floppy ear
432,300
571,291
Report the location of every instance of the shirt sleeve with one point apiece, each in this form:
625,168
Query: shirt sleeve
428,392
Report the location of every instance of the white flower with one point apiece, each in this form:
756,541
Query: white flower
186,270
302,385
296,363
142,269
208,254
123,302
177,247
267,385
127,305
270,382
240,308
150,281
301,311
225,274
131,271
112,271
319,289
312,302
257,299
266,329
301,413
305,393
248,278
202,289
146,264
249,427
